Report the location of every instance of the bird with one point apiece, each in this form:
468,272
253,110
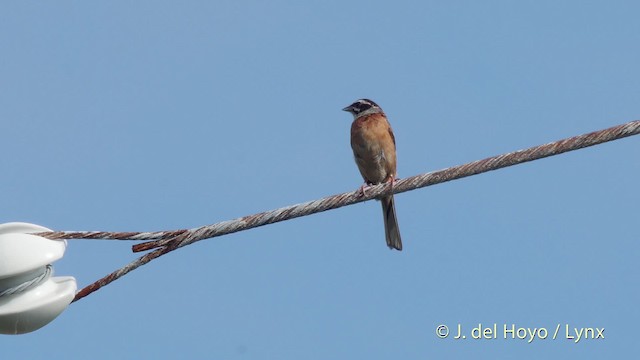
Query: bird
374,150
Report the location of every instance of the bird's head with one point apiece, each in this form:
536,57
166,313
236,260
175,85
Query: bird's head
363,107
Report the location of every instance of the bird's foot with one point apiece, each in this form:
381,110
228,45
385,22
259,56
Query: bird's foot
363,189
392,181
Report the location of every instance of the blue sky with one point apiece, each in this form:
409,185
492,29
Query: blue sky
154,115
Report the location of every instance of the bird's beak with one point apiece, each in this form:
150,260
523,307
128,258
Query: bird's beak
348,108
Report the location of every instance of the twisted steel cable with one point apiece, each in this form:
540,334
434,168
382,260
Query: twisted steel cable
167,241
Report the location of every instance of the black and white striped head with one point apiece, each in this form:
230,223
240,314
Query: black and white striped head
363,107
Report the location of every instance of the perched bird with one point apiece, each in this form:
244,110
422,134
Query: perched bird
374,149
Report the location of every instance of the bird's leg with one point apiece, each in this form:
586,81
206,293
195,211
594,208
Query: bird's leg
391,181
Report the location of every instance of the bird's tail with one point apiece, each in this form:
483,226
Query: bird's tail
391,230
